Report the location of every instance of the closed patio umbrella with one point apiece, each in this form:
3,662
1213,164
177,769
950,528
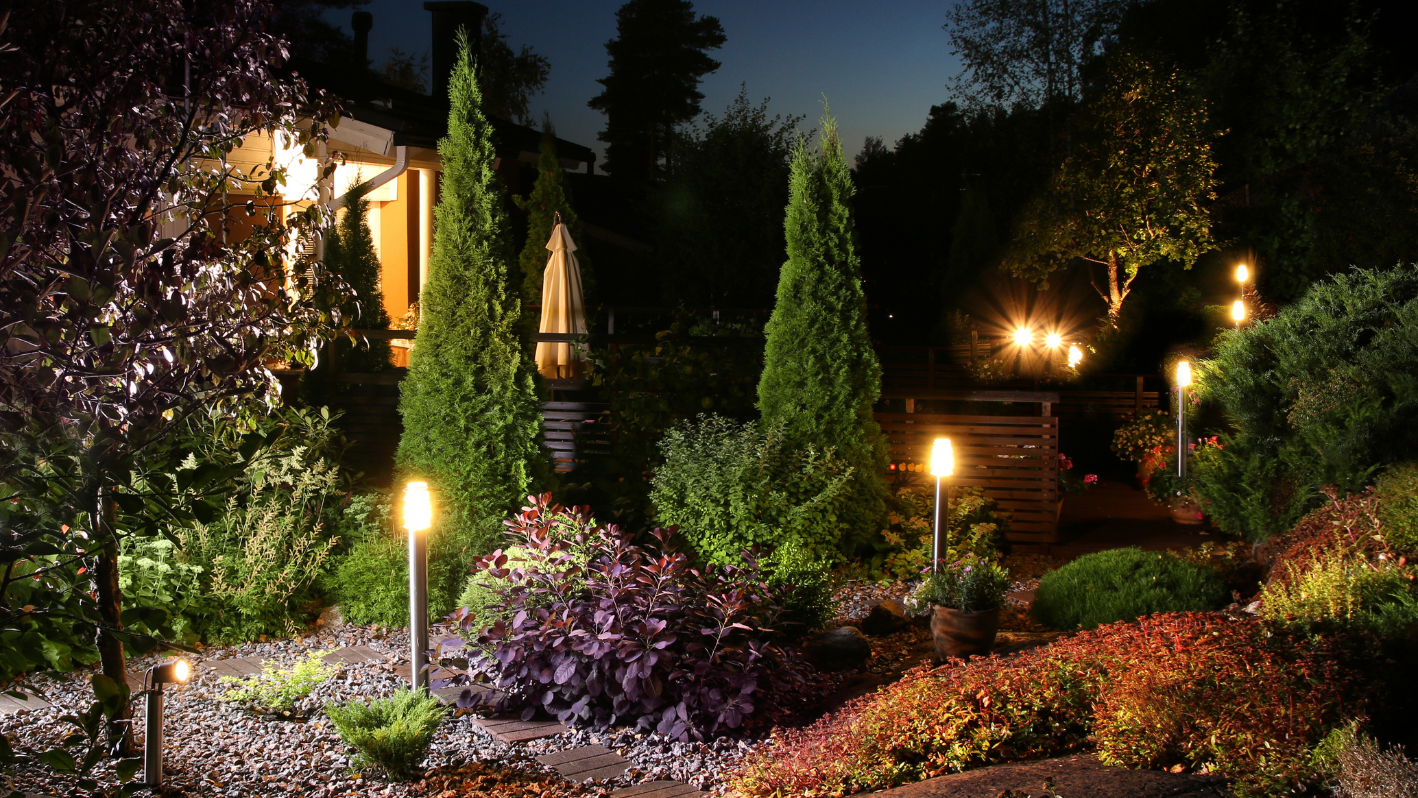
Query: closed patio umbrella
563,307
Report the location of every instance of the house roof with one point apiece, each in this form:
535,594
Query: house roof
418,120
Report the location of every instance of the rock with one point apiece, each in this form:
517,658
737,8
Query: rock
842,649
886,616
330,618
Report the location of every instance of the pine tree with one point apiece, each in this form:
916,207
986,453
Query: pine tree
820,374
470,412
548,197
349,252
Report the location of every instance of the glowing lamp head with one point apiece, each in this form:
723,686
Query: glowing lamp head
1022,336
1242,273
1075,356
176,671
942,458
1238,311
1184,373
1054,340
418,507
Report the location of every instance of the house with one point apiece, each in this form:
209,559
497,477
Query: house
388,137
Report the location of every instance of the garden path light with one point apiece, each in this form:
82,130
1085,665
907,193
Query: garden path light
1242,274
1184,378
418,517
1238,312
175,671
942,466
1075,356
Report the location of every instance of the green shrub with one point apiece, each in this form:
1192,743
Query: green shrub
392,733
370,581
821,375
1124,584
975,527
1343,589
154,575
809,604
732,486
1397,492
279,688
968,585
1324,393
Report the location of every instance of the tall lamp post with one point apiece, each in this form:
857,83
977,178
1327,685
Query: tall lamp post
1184,378
418,517
176,671
942,464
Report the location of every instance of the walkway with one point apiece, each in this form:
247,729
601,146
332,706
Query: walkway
1077,776
1115,514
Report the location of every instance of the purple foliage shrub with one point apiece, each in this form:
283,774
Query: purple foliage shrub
603,631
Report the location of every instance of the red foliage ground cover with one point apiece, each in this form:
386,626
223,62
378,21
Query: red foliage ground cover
1349,523
1198,690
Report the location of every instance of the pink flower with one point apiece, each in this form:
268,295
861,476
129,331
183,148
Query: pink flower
1090,479
1191,447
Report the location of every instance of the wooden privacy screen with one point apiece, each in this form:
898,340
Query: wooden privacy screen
1014,458
575,431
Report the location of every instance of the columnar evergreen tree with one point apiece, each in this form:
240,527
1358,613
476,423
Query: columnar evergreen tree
349,252
470,412
547,198
820,374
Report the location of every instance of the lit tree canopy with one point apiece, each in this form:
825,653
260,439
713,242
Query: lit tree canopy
1133,193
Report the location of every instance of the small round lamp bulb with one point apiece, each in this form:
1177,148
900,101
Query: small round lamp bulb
1242,273
1238,311
1054,340
1022,336
418,508
942,458
1184,373
181,670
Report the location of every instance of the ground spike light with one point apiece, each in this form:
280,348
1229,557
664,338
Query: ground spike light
1184,378
942,466
174,671
418,517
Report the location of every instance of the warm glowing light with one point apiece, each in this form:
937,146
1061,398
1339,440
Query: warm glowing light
1075,356
1238,311
181,670
418,507
1184,373
942,458
1242,273
1054,340
1023,336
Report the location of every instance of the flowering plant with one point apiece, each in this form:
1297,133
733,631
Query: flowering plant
1069,481
1137,439
967,585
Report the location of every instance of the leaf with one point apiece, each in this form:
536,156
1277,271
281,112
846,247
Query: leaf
60,760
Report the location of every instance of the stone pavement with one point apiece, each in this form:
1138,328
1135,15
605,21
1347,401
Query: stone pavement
1114,515
1076,776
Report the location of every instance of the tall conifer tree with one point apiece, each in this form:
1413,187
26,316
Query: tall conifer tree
548,197
470,412
349,252
820,374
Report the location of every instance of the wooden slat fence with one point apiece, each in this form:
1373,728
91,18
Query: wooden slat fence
575,431
1015,459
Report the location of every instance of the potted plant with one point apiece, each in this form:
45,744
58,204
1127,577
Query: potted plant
965,599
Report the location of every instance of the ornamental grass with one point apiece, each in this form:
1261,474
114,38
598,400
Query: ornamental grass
1195,690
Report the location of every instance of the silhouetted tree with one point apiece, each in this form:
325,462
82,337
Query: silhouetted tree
657,59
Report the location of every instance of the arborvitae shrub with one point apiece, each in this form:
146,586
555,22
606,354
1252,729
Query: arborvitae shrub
1324,393
349,252
548,197
393,733
469,407
1123,584
820,373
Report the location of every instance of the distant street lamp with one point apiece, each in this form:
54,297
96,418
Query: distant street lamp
177,671
418,517
1023,336
942,465
1184,378
1054,340
1075,356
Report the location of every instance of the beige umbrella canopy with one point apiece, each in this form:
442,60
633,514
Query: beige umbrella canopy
563,307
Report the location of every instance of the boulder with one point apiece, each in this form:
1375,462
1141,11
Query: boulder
886,616
842,649
330,618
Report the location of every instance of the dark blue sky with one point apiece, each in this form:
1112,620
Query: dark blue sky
882,65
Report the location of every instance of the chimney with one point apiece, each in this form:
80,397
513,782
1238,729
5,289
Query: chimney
362,22
448,17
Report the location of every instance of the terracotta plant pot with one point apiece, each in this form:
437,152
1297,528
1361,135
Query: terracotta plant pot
962,634
1187,512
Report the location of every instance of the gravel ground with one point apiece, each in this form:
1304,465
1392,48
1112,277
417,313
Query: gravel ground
220,749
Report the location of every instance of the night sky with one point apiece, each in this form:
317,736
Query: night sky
881,65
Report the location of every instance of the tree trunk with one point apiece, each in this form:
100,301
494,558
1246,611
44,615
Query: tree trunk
1115,291
110,608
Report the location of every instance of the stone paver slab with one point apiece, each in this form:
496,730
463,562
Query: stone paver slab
237,667
355,655
656,789
516,730
9,705
1077,776
586,762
